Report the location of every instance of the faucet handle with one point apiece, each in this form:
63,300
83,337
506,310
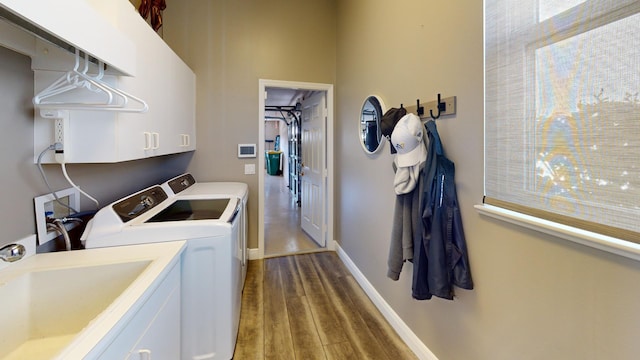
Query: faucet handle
12,252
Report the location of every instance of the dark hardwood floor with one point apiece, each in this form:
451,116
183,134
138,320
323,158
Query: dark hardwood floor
309,307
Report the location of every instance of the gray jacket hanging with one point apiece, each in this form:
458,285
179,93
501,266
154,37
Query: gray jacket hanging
406,228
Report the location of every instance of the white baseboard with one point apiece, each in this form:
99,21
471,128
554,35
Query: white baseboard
405,333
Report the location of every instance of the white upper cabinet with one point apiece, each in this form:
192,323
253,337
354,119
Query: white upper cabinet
86,25
168,85
162,80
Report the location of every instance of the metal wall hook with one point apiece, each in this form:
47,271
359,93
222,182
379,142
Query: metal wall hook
441,107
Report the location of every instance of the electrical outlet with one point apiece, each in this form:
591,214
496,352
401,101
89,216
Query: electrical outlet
249,169
47,206
58,132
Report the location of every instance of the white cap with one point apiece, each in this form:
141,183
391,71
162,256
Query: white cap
407,140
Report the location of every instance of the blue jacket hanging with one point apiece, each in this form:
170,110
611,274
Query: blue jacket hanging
440,257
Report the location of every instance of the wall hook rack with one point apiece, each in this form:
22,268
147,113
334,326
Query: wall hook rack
436,109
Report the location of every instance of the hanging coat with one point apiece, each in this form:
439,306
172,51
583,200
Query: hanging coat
407,227
440,256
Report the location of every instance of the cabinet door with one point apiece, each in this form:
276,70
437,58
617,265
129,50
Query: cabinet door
140,135
167,84
181,122
162,338
158,316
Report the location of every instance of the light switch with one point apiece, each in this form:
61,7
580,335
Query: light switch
249,169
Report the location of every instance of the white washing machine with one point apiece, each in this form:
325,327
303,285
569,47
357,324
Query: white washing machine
212,265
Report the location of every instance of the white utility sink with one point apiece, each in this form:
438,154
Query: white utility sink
58,304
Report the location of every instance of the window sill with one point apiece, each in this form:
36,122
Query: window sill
587,238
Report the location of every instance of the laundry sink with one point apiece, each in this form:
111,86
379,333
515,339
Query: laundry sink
52,301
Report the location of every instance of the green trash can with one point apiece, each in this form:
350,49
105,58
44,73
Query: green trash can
273,162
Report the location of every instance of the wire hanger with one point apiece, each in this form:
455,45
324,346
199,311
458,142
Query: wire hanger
114,99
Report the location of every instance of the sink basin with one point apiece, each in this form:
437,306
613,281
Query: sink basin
48,308
62,305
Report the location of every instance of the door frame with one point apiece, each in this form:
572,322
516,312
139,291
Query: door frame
263,84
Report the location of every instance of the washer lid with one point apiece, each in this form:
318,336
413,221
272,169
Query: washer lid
194,209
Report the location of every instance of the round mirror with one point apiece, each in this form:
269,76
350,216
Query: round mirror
370,132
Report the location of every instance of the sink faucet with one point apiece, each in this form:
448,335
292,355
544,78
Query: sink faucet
12,252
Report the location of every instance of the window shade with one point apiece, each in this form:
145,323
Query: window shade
562,111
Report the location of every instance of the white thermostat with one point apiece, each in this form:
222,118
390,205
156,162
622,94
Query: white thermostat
246,150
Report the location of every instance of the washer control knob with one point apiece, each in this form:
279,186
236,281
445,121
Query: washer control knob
145,203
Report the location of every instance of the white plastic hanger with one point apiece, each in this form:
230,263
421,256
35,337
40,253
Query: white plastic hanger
75,79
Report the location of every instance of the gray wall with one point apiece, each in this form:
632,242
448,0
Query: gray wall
536,296
230,45
20,179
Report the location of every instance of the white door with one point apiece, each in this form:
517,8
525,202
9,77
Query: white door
314,113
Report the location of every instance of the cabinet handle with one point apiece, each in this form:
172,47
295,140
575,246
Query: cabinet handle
145,354
185,140
156,140
147,141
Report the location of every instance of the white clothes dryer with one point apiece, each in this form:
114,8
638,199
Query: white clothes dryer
185,186
212,263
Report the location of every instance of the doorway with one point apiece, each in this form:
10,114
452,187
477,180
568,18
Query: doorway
282,231
283,205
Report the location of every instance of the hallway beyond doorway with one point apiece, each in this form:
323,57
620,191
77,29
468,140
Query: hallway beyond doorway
321,218
282,232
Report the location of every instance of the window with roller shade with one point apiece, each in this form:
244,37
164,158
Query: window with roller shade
562,112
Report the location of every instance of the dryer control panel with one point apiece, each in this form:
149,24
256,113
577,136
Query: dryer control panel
182,182
138,204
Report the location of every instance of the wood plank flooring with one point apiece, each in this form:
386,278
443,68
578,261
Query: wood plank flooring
308,307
